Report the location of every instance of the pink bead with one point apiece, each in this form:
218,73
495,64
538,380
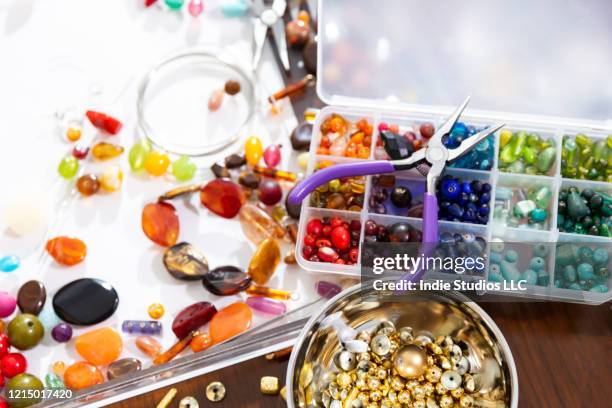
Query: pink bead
8,303
265,305
272,156
327,289
196,7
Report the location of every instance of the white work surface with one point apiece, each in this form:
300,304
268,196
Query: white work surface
61,53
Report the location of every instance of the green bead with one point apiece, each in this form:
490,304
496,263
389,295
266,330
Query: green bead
138,154
579,228
585,254
530,276
174,4
604,231
54,382
517,167
518,143
599,289
68,167
558,283
585,271
566,254
537,263
538,215
25,331
522,208
600,151
583,140
600,256
540,250
575,286
576,205
20,385
541,197
543,278
495,277
183,169
609,141
511,256
545,159
510,271
530,155
570,274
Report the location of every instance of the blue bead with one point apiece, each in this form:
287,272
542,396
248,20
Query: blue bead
9,263
472,130
538,215
540,250
543,278
474,198
455,210
466,187
599,289
486,187
495,277
485,165
236,8
463,199
469,215
476,186
484,210
485,198
510,271
446,238
471,207
460,129
450,189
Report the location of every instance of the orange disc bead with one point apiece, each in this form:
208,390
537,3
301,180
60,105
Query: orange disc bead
82,375
100,347
230,321
66,250
201,342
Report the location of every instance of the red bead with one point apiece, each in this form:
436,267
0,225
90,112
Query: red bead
104,122
341,238
309,240
336,222
4,345
327,254
340,261
223,197
13,364
270,192
355,225
2,382
314,227
322,242
80,152
307,251
382,126
427,130
149,3
326,231
353,254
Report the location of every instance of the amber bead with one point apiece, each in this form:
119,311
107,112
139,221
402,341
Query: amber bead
157,163
88,184
106,151
156,310
272,293
59,368
222,197
149,346
257,225
66,250
230,321
175,349
82,375
201,342
73,134
264,261
160,223
100,346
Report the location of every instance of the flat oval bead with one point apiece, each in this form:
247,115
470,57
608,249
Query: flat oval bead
149,346
8,303
160,223
185,262
85,301
82,375
327,289
267,306
192,317
257,225
264,261
230,321
31,297
226,280
66,250
223,197
123,367
9,263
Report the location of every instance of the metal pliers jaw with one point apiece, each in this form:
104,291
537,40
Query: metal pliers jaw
270,17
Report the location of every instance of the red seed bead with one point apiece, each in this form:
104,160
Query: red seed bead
13,364
322,242
341,238
326,231
80,152
4,345
327,254
353,254
314,227
309,240
427,130
336,222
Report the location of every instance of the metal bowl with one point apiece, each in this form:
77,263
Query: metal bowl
439,313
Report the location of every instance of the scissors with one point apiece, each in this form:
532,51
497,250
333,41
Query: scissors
429,161
270,17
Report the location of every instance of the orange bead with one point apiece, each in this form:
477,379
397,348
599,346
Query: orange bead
201,342
357,137
73,134
160,223
156,310
2,326
82,375
100,347
149,346
230,321
157,163
66,250
59,368
106,151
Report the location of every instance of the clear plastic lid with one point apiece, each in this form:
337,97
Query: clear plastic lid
543,59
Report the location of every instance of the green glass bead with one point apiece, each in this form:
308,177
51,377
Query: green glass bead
593,174
543,278
25,331
575,286
54,382
518,143
566,254
531,170
600,150
576,206
530,276
174,4
570,274
517,167
530,155
511,256
560,220
533,140
579,228
585,254
604,231
583,140
558,283
599,289
68,167
522,208
503,193
537,263
334,185
183,169
538,215
26,385
585,271
545,159
138,155
609,141
541,197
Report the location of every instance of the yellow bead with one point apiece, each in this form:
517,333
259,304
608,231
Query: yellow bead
157,163
253,150
111,178
73,134
156,310
59,367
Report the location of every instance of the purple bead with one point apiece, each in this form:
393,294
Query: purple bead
62,333
265,305
327,289
141,326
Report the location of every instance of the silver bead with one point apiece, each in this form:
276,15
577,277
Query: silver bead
215,391
345,360
405,334
462,366
450,380
356,346
385,327
189,402
381,345
335,404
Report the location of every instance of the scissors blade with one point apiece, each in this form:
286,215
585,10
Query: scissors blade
260,29
448,125
472,141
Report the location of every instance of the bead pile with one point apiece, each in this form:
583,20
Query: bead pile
583,158
504,263
396,368
340,137
529,153
463,201
584,212
339,194
523,208
582,267
332,240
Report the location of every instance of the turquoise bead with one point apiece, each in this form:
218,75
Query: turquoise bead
235,8
570,274
495,277
575,286
585,254
510,271
511,256
174,4
540,250
530,276
543,278
558,283
9,263
538,215
522,208
495,258
503,193
600,256
599,289
566,254
54,382
585,271
497,245
494,269
48,318
537,263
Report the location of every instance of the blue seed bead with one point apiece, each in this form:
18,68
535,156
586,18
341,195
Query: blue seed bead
9,263
511,256
537,263
600,256
585,271
466,187
450,189
540,250
570,274
530,276
495,258
543,278
484,210
599,289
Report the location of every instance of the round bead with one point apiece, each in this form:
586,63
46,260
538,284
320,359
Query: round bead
410,361
157,163
270,192
13,364
29,386
183,169
450,380
189,402
88,184
156,310
215,391
25,331
272,156
111,178
138,155
62,333
8,303
195,8
253,150
68,167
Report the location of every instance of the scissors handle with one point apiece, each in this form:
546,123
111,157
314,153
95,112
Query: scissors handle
327,174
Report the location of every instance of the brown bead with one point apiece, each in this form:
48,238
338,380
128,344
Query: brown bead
220,171
31,297
234,161
264,261
249,180
232,87
88,184
123,367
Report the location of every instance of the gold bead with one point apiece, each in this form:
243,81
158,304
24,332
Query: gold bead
444,363
433,374
446,401
189,402
418,392
466,401
268,385
405,334
434,348
364,397
429,388
373,405
411,385
440,389
215,391
403,397
419,404
397,383
381,373
165,402
375,395
283,393
468,383
156,310
380,345
306,375
410,361
457,393
373,383
364,336
343,379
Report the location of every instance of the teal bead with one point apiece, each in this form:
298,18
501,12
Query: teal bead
497,245
9,263
234,8
495,277
540,250
576,205
537,263
603,272
579,229
48,318
558,283
503,193
183,169
511,256
545,159
543,278
510,271
600,256
495,258
575,286
530,276
585,254
522,208
566,254
585,271
174,4
541,197
68,167
599,289
560,219
538,215
54,382
570,274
